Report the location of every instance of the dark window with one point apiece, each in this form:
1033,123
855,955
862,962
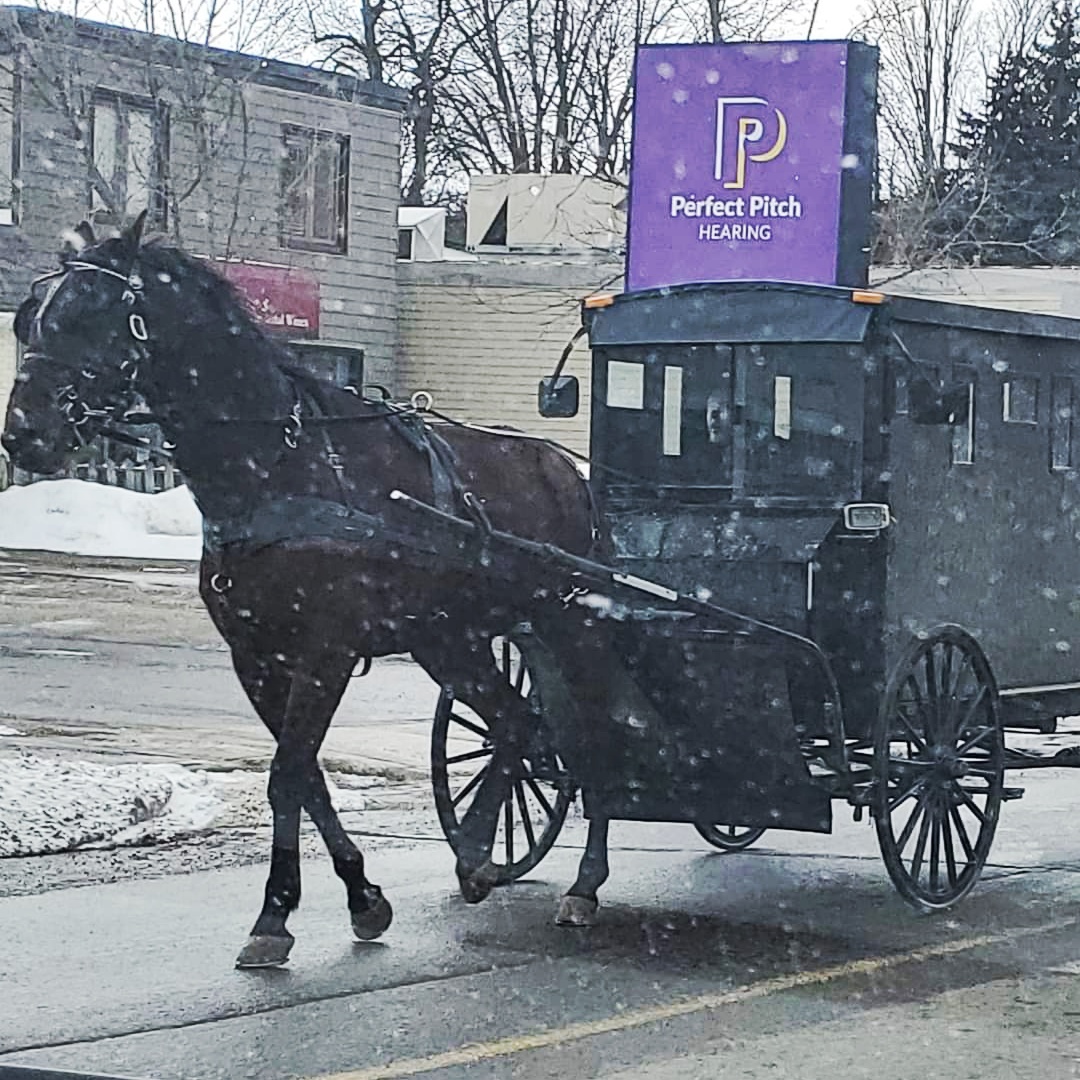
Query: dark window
314,188
129,152
1020,400
404,243
1061,423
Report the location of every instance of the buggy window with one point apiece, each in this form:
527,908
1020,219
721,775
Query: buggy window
1020,400
963,429
1061,423
803,410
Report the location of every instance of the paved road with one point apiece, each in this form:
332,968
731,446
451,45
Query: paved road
795,959
116,657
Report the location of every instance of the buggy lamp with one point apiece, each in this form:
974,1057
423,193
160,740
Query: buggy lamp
598,301
867,517
867,296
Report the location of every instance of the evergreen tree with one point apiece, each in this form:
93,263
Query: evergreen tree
1014,197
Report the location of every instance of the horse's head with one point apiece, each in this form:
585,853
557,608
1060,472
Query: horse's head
83,338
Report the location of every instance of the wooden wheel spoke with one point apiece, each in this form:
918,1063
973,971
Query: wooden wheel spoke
933,698
508,811
469,787
523,811
472,755
920,847
912,792
913,735
468,725
950,854
918,699
961,833
912,821
935,845
971,710
952,692
970,803
540,798
974,741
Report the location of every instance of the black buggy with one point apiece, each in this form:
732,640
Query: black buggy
845,563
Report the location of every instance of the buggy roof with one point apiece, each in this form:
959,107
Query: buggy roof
764,311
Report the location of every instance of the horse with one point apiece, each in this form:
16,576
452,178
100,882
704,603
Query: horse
309,564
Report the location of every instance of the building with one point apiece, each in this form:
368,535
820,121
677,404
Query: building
286,175
479,329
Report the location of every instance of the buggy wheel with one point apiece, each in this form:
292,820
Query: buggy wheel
730,837
541,789
939,768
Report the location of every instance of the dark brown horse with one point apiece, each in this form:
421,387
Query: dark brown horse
309,564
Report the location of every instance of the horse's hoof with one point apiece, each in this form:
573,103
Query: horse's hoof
477,885
264,951
373,920
576,911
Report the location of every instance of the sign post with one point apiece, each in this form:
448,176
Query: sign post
752,162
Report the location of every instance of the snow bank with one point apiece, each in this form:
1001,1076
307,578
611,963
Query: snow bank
81,518
50,806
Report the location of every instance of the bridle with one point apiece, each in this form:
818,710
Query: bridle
74,409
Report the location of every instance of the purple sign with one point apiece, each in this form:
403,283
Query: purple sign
738,152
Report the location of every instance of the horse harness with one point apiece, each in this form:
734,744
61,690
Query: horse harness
450,491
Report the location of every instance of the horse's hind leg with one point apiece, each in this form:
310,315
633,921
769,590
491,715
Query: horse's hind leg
578,906
297,710
468,665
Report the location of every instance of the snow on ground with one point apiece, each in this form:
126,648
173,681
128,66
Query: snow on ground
50,806
80,518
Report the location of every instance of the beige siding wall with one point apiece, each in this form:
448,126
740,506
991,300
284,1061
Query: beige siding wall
481,350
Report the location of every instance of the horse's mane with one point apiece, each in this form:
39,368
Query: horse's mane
222,298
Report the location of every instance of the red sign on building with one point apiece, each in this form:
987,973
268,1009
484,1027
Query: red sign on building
283,298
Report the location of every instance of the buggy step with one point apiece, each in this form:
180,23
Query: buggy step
1010,794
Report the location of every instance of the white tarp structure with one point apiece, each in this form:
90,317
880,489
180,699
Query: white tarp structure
427,226
529,212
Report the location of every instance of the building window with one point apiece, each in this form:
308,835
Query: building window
405,244
129,140
314,189
9,144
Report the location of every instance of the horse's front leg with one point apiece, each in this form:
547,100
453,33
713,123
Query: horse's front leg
295,781
578,907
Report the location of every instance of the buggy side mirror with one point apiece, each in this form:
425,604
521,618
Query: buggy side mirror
558,397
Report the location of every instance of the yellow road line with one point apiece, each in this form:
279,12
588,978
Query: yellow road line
474,1053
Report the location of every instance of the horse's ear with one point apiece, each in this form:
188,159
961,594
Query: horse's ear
132,236
74,240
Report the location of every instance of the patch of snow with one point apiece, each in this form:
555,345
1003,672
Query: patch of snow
4,731
82,518
50,806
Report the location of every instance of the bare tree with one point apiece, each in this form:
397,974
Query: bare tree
927,71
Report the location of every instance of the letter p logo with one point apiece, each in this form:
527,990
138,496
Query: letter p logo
748,132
